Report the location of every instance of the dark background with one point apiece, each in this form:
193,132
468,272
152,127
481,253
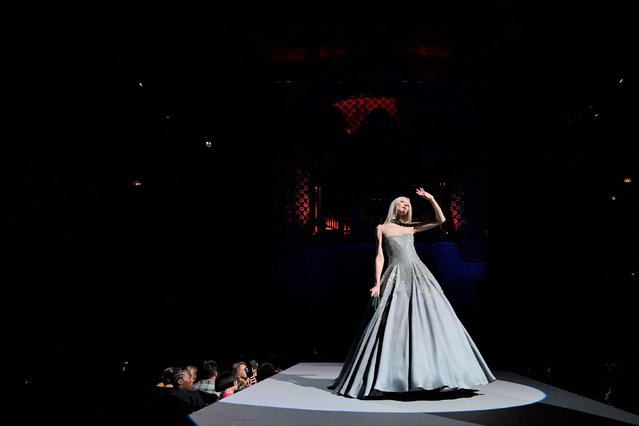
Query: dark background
528,108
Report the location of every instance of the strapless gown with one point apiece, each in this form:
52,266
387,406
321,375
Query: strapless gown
413,340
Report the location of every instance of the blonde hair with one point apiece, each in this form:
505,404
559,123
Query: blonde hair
392,211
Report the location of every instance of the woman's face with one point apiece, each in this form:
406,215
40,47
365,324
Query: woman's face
403,206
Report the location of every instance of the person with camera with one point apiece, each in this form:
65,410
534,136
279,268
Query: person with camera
244,375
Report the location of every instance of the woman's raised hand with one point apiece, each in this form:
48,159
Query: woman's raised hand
424,194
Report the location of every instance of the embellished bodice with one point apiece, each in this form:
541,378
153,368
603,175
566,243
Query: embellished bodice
400,249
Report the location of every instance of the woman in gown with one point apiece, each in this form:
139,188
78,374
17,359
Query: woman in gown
413,340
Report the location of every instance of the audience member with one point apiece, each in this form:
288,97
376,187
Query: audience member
166,378
206,386
265,371
225,384
174,407
274,359
243,374
193,370
161,390
182,382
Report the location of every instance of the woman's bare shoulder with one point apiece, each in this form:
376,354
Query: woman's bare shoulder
380,230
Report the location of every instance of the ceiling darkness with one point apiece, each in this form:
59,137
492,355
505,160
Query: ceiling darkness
540,102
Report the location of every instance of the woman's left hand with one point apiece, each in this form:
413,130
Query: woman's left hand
375,290
424,194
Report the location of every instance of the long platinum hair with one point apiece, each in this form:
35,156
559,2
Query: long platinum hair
392,212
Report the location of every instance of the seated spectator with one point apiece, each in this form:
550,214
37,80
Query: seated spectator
275,360
174,407
244,375
225,384
166,378
182,382
206,386
164,386
265,371
193,370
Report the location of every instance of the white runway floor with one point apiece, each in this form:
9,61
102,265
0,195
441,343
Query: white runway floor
299,395
303,386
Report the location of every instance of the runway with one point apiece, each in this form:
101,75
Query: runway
299,395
